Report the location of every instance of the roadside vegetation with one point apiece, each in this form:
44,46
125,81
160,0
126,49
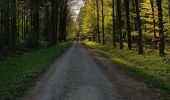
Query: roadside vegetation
133,33
149,67
32,34
16,73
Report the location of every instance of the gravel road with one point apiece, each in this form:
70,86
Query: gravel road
75,76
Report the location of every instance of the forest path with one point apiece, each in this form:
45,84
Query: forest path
76,76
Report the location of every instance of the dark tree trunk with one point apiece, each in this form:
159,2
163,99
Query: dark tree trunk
103,30
35,23
161,33
57,20
52,23
46,34
22,25
7,25
14,27
128,24
154,23
113,22
97,11
140,42
63,20
119,16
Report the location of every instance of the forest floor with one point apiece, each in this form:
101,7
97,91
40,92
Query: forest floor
81,74
149,67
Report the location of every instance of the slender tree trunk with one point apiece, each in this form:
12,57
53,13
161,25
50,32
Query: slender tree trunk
36,4
57,20
65,21
120,23
22,26
128,24
47,22
52,22
14,27
161,33
140,42
24,23
154,23
103,30
97,11
113,22
7,24
2,26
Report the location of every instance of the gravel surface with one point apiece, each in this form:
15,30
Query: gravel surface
75,76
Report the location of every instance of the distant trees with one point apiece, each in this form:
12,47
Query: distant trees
29,22
131,21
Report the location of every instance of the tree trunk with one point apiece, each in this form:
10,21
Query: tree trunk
14,27
97,10
46,34
103,22
140,42
119,16
52,22
161,33
57,20
35,15
128,24
113,22
154,23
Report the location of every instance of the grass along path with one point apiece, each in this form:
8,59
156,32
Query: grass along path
17,72
151,68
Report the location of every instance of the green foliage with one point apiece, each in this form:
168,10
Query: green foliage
17,72
88,18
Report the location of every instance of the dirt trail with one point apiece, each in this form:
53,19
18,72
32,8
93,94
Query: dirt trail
77,76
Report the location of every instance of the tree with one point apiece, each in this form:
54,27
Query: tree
97,12
161,33
119,16
35,22
128,24
13,22
154,23
113,22
103,23
29,22
140,42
